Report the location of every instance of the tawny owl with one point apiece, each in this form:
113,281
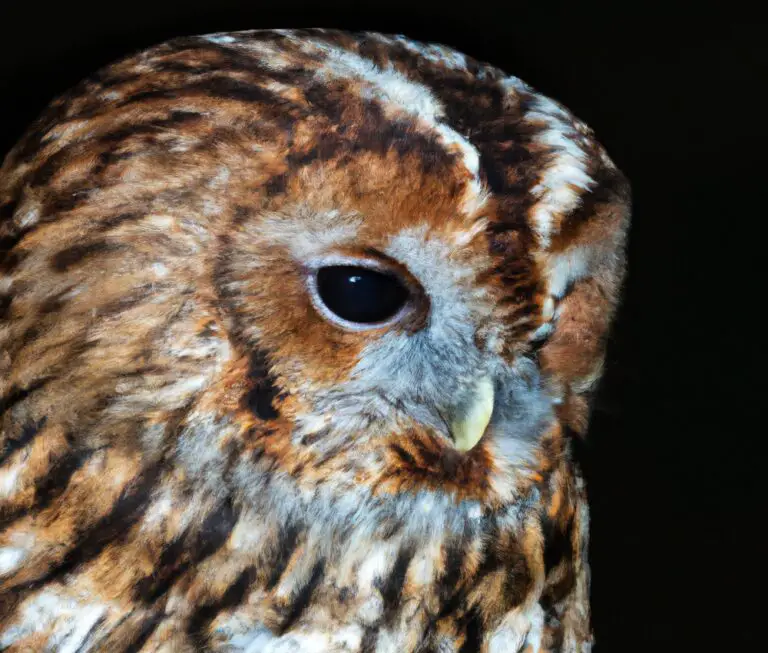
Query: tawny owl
298,331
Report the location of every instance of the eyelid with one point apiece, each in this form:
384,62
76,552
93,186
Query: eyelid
354,261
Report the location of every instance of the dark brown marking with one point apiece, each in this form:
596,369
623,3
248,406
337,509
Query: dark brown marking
10,258
53,484
118,220
370,637
5,306
557,542
92,538
27,434
260,399
205,613
233,89
392,588
7,209
142,634
403,455
187,551
555,593
473,628
176,118
67,200
67,258
288,540
300,600
16,395
518,579
454,563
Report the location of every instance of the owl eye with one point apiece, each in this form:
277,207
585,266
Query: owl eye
360,295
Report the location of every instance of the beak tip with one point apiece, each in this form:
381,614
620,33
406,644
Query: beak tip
468,430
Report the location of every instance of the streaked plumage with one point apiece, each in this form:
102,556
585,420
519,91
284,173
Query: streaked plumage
195,456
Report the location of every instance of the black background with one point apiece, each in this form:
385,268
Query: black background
673,93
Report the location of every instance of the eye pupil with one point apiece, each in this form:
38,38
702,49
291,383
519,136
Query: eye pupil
360,295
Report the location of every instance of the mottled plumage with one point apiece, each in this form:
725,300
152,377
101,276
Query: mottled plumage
196,456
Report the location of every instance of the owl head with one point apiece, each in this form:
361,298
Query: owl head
371,261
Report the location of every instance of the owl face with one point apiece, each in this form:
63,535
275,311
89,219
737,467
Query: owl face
407,351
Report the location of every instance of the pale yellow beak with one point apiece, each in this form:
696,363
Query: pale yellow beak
473,418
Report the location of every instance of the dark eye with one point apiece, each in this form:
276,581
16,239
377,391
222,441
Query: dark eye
360,295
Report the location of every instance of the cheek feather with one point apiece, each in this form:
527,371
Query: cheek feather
421,460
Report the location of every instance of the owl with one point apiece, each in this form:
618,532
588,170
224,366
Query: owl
298,334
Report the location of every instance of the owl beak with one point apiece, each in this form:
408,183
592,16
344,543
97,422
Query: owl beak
473,417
